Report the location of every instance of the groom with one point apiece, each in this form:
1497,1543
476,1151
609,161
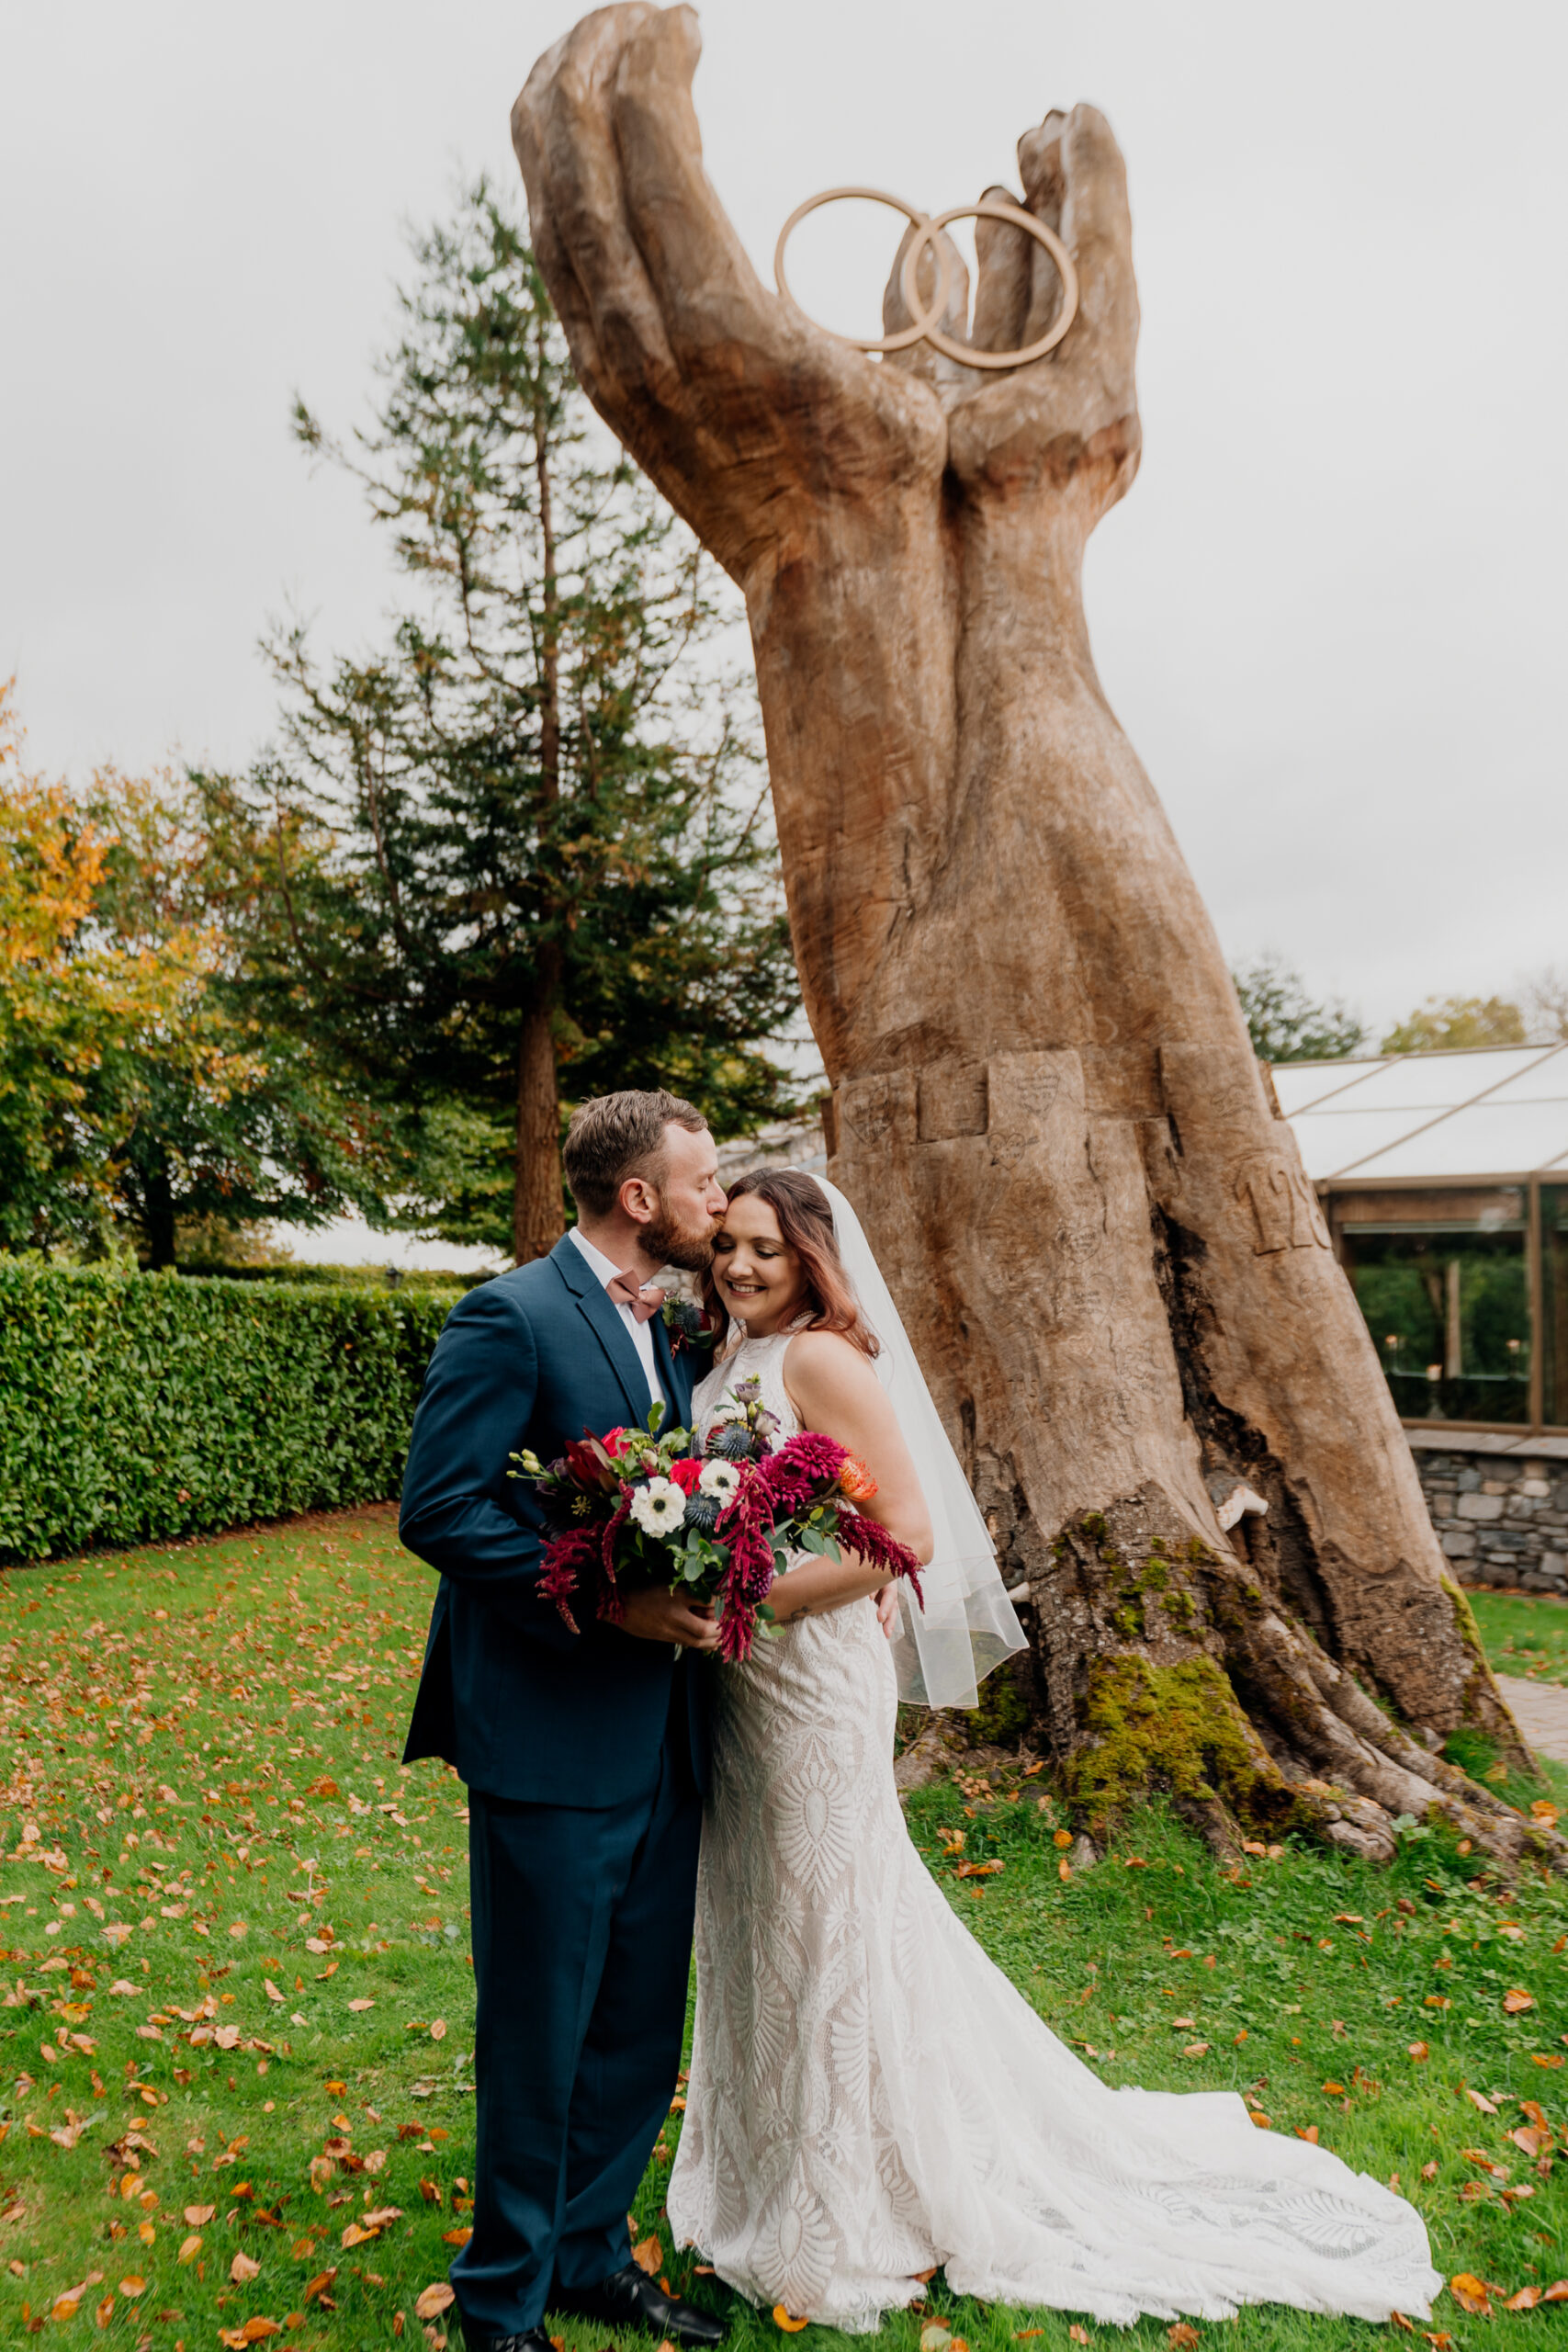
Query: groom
584,1753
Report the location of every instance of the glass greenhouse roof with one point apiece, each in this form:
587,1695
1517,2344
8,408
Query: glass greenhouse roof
1492,1112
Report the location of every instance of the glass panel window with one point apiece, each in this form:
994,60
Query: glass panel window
1554,1301
1441,1277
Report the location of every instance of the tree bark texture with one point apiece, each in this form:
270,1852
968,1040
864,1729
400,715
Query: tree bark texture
1043,1097
537,1221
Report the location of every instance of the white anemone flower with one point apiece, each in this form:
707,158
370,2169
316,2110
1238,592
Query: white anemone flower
658,1507
718,1479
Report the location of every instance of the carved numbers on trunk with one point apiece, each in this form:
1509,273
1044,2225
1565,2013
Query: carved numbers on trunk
1285,1212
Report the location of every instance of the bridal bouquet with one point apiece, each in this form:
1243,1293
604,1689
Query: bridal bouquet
636,1508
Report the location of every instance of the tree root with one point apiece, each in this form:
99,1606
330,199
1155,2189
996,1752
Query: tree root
1187,1677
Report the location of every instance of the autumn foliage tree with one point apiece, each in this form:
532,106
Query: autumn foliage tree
137,1090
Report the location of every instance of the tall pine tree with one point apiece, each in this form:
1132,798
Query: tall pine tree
521,855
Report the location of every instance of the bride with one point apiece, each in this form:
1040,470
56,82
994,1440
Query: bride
869,2095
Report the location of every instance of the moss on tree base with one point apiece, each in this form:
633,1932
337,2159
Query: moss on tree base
1179,1729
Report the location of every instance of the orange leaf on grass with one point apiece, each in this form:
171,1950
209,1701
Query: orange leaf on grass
1525,2300
1334,2090
648,2257
132,2286
1309,2133
242,2270
1518,2000
1397,2319
786,2320
1181,2337
1557,2293
1419,2050
1077,2334
189,2247
1470,2293
456,2237
1546,2058
320,2283
434,2299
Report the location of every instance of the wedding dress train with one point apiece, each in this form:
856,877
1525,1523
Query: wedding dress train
869,2095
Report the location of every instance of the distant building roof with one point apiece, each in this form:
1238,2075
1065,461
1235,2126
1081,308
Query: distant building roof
1492,1112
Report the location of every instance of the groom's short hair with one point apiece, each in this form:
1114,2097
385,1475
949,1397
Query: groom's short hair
616,1136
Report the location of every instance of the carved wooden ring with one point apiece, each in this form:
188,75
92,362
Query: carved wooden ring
995,209
924,319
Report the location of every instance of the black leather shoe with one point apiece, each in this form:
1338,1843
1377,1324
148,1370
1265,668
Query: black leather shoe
532,2339
629,2298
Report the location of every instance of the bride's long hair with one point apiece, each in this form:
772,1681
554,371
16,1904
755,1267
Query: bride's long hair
806,1221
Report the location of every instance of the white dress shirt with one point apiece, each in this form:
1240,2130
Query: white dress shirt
604,1272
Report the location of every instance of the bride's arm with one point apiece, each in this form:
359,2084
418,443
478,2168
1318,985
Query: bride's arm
836,1392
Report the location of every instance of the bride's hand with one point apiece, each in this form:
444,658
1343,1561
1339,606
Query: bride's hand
887,1609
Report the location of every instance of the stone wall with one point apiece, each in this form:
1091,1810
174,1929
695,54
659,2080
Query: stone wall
1501,1517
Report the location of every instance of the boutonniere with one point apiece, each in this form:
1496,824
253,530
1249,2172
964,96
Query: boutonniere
686,1326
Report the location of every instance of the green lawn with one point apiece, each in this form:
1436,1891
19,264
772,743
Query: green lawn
1523,1636
237,2096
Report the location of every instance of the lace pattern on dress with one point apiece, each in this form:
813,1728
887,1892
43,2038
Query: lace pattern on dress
869,2095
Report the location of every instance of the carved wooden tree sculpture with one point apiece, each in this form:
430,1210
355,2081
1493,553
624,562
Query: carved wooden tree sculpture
1044,1103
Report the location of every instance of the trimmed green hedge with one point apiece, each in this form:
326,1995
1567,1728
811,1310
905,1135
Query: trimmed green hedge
369,1277
136,1407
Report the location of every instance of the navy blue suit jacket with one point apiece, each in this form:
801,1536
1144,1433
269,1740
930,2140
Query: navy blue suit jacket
522,1707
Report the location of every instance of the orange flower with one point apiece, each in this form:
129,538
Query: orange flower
855,1480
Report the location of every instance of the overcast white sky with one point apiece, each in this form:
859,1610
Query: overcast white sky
1331,614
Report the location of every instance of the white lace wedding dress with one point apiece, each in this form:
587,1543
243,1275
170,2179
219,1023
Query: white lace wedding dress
869,2095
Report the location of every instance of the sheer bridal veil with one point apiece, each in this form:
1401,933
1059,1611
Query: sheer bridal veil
968,1626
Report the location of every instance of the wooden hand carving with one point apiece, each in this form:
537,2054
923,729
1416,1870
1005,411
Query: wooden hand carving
826,484
1045,1101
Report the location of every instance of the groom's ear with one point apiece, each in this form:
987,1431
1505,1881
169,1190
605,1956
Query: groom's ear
638,1198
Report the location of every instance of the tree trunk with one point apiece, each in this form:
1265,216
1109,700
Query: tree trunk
1043,1098
158,1215
538,1222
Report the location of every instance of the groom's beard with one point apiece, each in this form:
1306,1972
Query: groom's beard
669,1243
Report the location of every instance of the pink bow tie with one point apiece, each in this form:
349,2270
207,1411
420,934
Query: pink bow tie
645,1304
